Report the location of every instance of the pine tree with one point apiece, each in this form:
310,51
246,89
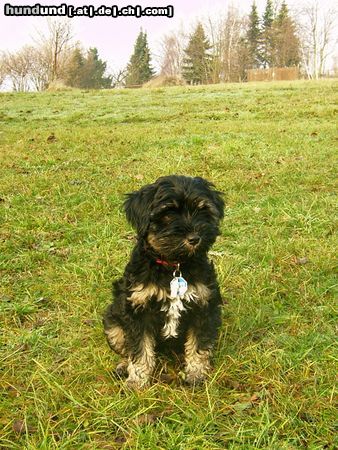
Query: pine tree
287,41
283,13
74,69
87,71
197,63
139,69
94,70
253,39
268,41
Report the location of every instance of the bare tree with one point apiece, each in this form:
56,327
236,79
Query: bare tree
172,53
316,31
27,69
214,27
226,33
39,70
16,67
55,47
119,77
2,70
34,67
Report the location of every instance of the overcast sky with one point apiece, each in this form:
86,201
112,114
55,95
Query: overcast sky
115,37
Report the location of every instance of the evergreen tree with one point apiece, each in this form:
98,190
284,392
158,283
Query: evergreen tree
139,69
87,71
74,69
197,63
283,13
253,39
94,70
287,41
268,41
268,15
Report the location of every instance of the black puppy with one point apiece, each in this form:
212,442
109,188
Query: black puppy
169,292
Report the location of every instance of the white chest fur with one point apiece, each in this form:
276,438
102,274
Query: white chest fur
173,312
172,307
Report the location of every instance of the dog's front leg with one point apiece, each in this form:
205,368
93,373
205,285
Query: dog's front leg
197,358
141,361
200,339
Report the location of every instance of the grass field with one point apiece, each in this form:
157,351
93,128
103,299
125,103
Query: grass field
66,161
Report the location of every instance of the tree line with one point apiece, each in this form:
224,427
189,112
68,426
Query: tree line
218,49
223,49
54,58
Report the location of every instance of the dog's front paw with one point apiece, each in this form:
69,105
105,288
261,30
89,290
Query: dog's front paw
121,369
197,373
195,378
139,372
137,384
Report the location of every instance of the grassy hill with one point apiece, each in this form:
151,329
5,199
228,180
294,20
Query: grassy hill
67,159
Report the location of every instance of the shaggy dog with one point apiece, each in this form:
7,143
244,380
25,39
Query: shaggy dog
169,292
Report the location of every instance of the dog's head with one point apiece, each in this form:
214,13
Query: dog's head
178,216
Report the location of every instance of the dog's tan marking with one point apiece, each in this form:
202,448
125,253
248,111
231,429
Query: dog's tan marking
141,368
198,293
152,240
201,204
197,363
116,339
141,294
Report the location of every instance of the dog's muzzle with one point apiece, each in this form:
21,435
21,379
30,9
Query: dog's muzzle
193,239
192,242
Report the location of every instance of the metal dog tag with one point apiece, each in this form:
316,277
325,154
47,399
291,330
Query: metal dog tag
174,287
182,286
178,287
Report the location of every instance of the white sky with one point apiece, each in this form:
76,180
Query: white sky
115,37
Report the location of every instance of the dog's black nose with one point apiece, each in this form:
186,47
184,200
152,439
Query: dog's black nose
193,239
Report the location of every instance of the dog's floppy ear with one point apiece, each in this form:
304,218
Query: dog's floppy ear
138,208
219,202
215,196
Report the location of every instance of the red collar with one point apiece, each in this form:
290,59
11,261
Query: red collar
166,263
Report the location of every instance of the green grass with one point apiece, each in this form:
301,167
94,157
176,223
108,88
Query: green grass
64,239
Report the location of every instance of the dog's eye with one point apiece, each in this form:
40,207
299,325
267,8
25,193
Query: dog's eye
167,218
